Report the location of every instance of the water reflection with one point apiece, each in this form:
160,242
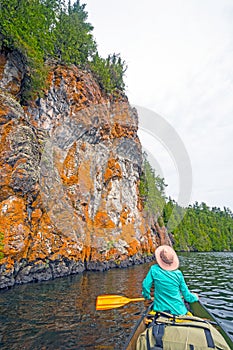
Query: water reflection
211,275
61,314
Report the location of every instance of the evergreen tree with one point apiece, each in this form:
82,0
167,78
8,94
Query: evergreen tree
109,72
151,189
201,228
44,29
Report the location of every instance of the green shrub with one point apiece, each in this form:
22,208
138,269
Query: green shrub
45,29
152,190
109,72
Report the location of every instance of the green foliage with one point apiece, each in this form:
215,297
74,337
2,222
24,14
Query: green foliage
45,29
151,190
109,72
26,26
160,221
74,43
198,227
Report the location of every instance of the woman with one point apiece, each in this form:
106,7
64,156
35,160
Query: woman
169,283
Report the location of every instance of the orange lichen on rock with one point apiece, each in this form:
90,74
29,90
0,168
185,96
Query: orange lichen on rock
47,242
113,170
13,223
69,173
36,216
134,247
102,220
105,131
5,131
127,223
84,174
81,89
3,114
5,176
86,253
6,191
128,232
119,130
149,243
49,81
124,215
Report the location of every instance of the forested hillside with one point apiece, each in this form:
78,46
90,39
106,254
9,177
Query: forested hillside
201,229
44,30
196,228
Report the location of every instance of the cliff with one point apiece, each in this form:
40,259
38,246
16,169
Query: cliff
70,163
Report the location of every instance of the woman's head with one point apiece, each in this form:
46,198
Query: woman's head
166,258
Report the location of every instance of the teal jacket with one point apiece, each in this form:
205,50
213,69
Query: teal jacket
169,287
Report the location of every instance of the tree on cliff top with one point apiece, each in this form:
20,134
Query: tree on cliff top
45,29
109,72
152,191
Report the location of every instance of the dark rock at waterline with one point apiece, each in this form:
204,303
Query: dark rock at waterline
26,272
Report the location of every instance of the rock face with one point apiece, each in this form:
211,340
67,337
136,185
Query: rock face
69,174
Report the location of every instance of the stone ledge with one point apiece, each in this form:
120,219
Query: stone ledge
25,272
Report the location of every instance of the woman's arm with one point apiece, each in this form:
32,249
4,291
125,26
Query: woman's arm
147,284
188,296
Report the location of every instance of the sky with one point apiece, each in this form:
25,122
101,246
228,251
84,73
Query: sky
179,55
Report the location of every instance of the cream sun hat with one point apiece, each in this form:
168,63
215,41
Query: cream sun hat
166,258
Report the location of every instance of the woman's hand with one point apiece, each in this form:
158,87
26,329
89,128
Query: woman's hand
147,302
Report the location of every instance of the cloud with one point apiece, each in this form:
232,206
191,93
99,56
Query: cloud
179,55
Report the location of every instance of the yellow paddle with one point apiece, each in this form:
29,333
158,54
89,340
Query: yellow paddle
111,301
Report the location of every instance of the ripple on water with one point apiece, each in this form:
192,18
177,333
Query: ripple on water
215,285
61,314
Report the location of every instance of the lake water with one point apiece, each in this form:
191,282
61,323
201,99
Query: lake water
60,314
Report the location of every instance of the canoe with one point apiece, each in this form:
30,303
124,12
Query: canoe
197,309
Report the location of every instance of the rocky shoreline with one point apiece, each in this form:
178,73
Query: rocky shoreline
25,272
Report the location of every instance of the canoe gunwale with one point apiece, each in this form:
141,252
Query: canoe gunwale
211,317
138,329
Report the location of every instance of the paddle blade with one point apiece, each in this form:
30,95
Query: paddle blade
111,301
